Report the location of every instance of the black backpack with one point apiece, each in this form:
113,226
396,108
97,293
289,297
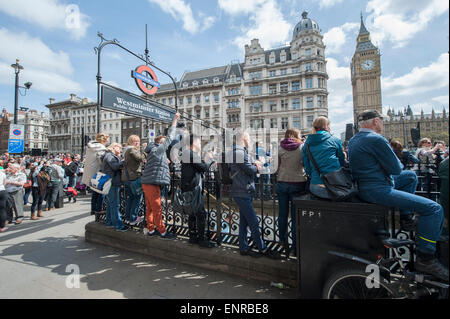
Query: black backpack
224,172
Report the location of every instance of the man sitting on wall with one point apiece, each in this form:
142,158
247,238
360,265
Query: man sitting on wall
373,164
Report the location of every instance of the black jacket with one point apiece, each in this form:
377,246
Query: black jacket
192,171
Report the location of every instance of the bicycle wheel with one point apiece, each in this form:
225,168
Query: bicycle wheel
351,284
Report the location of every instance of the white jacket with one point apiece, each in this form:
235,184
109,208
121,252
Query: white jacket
92,163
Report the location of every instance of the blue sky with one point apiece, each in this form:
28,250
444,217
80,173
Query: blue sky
57,50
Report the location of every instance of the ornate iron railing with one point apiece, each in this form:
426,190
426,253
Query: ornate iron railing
223,214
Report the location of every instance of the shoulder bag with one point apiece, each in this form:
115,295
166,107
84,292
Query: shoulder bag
190,202
339,184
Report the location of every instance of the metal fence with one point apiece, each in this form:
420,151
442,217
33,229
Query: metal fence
223,214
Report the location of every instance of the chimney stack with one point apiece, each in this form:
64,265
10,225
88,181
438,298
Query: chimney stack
52,100
73,96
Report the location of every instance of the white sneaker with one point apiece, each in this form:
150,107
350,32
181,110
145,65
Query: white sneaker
137,221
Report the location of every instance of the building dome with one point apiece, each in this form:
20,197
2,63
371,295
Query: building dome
305,24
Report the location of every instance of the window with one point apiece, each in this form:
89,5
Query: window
274,123
283,57
180,100
283,71
272,59
110,126
309,101
233,104
272,73
256,107
309,121
185,84
284,105
308,67
284,123
272,89
294,55
307,52
130,124
197,99
284,87
163,101
170,100
197,113
296,104
295,70
321,82
110,115
189,99
216,97
117,126
207,98
256,90
205,81
296,122
273,106
255,75
295,86
308,83
195,83
216,80
138,124
320,100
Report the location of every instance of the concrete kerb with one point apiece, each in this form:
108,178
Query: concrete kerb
222,258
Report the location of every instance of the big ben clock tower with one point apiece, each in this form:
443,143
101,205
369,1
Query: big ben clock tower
366,73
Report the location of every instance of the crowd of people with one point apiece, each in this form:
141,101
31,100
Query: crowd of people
385,173
45,178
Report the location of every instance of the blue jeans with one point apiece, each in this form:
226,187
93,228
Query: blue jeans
431,215
112,209
319,191
248,218
132,204
96,202
286,193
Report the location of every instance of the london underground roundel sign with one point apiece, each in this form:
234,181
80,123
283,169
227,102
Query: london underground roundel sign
146,79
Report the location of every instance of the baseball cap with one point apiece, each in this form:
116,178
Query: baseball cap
370,114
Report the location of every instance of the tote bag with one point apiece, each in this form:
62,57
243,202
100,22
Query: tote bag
101,183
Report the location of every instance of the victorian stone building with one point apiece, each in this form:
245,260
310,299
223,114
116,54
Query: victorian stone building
69,120
36,129
274,88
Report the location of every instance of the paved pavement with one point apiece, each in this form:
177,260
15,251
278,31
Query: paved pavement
36,259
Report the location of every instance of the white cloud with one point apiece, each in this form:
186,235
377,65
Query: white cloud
398,21
48,70
328,3
179,10
336,38
235,7
49,14
419,80
266,22
443,99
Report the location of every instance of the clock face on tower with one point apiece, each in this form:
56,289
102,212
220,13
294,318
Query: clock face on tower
368,64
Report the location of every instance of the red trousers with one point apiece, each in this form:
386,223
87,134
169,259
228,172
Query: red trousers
154,211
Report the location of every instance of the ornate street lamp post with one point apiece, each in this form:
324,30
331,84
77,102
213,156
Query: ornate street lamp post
17,68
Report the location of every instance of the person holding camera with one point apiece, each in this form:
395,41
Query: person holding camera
192,168
243,171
